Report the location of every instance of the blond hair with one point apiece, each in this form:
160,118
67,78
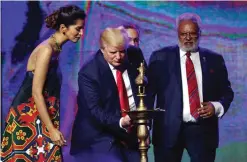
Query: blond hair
113,37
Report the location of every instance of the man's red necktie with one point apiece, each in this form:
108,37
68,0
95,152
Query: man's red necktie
192,87
122,93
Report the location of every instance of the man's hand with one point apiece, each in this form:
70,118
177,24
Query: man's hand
126,121
207,110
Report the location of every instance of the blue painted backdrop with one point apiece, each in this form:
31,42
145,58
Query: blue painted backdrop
224,31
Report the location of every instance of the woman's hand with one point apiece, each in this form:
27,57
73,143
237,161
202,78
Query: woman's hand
57,137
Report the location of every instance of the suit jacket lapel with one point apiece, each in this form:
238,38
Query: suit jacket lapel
106,73
174,79
204,66
177,69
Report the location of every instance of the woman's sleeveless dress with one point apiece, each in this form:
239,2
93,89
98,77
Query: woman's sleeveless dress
25,137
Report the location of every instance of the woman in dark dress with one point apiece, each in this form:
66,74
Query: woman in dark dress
32,124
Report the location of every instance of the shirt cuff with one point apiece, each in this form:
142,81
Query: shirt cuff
219,109
121,125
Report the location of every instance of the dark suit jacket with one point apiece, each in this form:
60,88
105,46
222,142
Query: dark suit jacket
135,56
98,113
164,75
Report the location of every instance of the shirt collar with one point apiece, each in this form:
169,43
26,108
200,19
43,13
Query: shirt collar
183,53
111,67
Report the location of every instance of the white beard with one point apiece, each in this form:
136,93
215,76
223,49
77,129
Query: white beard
193,48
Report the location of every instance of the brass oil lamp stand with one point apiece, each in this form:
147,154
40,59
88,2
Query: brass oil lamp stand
141,117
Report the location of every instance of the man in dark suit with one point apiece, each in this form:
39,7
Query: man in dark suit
134,39
191,84
106,87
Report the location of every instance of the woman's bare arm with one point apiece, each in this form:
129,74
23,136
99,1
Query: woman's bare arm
41,68
43,57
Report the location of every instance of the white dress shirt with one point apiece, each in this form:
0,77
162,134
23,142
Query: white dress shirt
187,117
127,84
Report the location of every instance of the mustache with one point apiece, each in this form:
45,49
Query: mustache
192,48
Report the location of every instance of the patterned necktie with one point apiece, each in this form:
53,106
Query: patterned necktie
122,93
192,87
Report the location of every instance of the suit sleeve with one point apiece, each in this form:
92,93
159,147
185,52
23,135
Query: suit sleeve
135,56
89,95
152,80
225,85
141,57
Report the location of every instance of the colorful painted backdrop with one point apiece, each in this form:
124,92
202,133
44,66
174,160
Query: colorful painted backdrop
224,31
